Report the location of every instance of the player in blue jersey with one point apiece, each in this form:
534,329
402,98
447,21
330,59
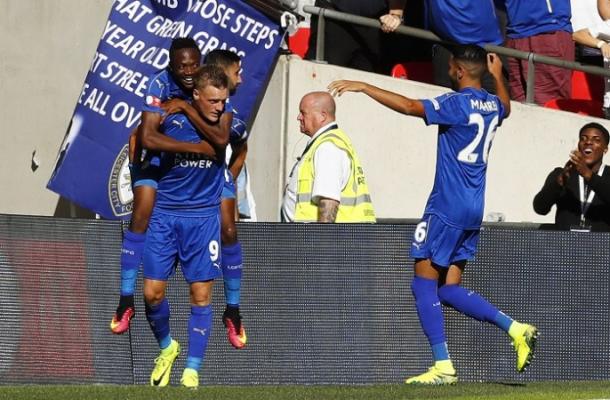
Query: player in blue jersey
175,82
447,236
185,227
231,248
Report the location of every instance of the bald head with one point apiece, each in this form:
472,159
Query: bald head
316,110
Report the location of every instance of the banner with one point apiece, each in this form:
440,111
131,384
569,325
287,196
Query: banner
92,165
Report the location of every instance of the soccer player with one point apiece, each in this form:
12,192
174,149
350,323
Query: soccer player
175,82
447,236
185,226
231,248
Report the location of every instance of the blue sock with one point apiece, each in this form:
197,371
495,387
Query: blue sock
158,319
199,329
440,352
131,258
503,321
231,272
430,314
468,302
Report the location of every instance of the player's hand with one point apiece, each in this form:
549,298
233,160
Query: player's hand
578,161
207,149
494,65
337,88
390,22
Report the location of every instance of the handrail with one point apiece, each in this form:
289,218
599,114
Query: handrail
531,57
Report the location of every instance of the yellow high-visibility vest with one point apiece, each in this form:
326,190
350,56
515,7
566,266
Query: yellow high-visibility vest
355,204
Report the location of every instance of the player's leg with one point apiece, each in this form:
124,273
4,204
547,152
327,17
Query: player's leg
472,304
200,268
428,234
424,288
199,331
159,260
144,193
231,267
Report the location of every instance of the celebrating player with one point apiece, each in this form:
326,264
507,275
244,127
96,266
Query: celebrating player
447,236
174,82
171,93
185,226
231,248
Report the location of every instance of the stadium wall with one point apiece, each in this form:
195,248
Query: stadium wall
323,304
48,46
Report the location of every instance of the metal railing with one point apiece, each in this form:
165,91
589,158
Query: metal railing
530,57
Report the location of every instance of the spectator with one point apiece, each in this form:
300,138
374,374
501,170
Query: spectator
541,27
458,21
346,44
327,183
581,189
592,32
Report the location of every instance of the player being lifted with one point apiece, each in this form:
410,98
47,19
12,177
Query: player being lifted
448,233
170,92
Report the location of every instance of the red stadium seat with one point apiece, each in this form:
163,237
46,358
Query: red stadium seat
299,42
414,70
578,106
587,86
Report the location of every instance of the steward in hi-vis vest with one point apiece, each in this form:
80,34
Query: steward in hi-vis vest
355,204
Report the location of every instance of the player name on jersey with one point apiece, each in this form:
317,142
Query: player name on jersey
481,105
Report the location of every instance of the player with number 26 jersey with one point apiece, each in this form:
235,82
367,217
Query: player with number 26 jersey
467,123
446,238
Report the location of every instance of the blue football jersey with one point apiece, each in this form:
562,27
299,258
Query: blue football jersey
467,124
464,21
191,184
239,131
162,87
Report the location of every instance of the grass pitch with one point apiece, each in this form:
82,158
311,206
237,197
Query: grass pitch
462,391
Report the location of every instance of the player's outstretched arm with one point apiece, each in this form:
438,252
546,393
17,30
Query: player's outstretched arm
216,134
396,102
152,139
494,65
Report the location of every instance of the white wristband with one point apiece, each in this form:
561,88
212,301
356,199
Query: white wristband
600,44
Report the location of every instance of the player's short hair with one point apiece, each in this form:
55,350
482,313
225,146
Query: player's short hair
473,56
599,127
222,58
183,43
211,75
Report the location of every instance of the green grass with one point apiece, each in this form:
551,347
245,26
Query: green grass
462,391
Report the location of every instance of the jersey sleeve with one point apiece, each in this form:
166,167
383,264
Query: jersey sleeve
444,110
155,95
239,131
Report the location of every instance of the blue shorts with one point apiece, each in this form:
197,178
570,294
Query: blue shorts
193,241
228,190
145,173
442,243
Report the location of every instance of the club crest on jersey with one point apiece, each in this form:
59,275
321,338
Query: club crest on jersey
119,184
153,101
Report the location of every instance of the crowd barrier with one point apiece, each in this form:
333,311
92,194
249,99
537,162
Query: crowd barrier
323,304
